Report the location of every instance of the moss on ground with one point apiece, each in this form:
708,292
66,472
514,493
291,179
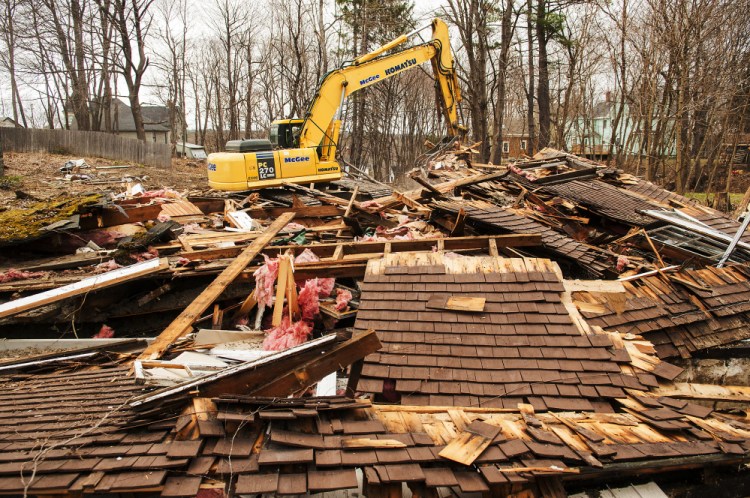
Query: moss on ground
27,223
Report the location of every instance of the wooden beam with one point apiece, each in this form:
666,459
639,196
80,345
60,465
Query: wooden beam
86,285
282,281
348,210
355,371
296,379
184,322
247,305
154,294
291,295
301,212
328,250
460,224
113,216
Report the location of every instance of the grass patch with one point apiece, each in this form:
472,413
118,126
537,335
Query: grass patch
707,198
10,182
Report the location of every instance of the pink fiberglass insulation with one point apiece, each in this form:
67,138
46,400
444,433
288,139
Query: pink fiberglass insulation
324,285
306,256
370,204
106,266
343,297
287,335
14,274
622,263
151,253
106,332
309,303
165,193
294,227
265,278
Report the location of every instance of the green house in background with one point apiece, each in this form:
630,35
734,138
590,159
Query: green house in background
591,136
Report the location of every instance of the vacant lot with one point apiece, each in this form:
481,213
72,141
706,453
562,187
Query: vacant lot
38,175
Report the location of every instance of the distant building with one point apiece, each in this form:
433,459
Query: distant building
515,140
155,122
191,151
591,135
6,122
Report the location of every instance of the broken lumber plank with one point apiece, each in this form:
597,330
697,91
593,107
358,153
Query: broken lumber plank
300,212
457,303
470,444
243,377
365,442
184,322
89,284
348,210
154,294
291,295
294,380
247,305
281,283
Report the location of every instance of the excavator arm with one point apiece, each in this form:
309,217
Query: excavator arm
320,125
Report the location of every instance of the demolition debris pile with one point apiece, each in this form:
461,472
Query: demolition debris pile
535,328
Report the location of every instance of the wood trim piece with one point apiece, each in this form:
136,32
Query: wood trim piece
89,284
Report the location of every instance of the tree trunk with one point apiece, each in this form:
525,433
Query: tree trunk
531,146
506,34
543,98
10,40
249,90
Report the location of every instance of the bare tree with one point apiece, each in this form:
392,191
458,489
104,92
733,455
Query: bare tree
131,20
471,17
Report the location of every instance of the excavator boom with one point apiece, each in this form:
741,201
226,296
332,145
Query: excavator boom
374,68
312,156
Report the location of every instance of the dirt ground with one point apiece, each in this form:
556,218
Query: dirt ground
30,176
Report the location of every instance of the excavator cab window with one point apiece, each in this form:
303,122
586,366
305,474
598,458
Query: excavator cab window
285,135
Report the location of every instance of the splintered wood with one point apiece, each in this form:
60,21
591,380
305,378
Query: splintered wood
471,443
457,303
183,324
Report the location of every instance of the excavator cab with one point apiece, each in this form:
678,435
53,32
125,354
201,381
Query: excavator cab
284,133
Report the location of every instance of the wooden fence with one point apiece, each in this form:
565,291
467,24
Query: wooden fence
86,144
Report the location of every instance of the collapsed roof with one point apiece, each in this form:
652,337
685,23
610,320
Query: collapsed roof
504,331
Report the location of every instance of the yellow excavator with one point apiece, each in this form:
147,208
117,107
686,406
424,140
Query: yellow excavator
304,150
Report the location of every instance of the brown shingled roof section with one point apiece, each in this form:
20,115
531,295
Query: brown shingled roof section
681,319
607,200
505,220
657,193
523,346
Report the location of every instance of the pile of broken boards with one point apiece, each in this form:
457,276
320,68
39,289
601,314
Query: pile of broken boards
524,331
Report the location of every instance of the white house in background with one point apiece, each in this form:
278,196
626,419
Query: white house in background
155,122
192,151
6,122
